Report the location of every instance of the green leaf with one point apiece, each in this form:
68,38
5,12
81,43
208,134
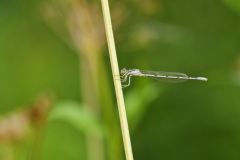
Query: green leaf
233,4
137,102
77,116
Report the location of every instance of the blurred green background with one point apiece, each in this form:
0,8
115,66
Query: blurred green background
58,48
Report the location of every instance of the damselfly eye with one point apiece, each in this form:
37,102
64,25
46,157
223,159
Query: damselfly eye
123,71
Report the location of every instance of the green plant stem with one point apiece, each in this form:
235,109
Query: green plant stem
117,82
89,64
113,132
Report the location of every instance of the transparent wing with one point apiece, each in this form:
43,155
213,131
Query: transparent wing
166,76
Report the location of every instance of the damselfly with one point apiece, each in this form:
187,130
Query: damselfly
126,75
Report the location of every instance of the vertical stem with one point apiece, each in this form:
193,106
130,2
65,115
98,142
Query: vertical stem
117,82
94,143
113,132
36,148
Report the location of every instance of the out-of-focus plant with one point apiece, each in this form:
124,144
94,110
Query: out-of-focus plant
80,25
233,4
78,117
138,101
236,71
16,127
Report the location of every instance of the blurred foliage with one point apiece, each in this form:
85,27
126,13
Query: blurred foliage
234,4
138,101
191,120
77,116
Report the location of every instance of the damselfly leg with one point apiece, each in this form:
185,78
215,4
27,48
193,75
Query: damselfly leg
128,77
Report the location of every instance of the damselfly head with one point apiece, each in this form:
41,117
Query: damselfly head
123,71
